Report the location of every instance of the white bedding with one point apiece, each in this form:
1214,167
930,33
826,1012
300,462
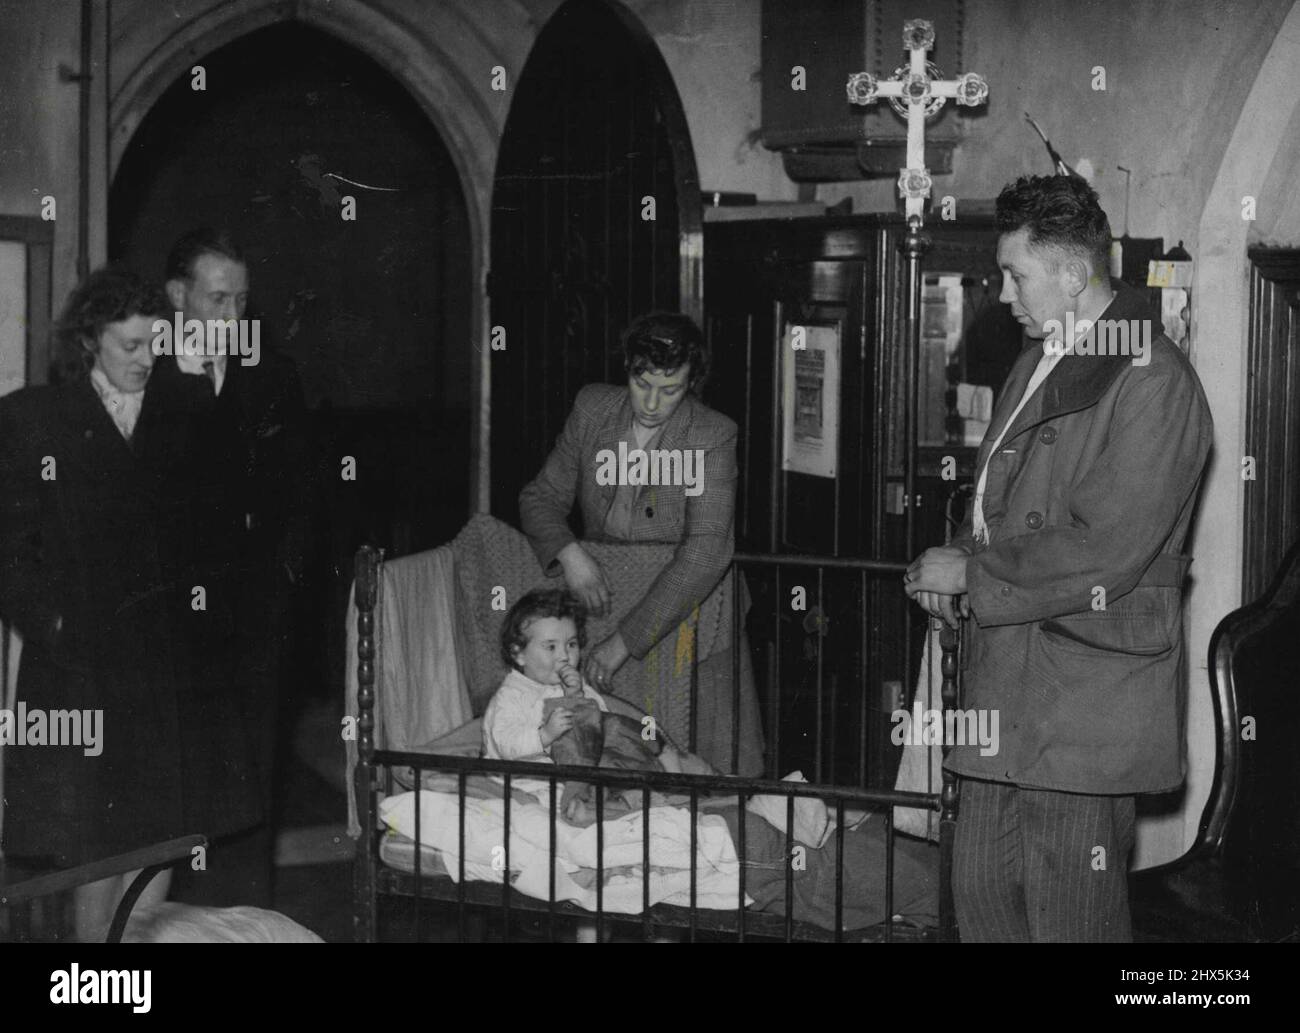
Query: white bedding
717,866
171,922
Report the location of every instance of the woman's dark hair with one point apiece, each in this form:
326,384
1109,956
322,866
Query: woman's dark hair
665,341
194,245
1059,211
540,602
108,295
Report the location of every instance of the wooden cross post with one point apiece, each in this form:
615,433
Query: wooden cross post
916,93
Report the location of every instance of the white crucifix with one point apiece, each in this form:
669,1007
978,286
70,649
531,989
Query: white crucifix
916,92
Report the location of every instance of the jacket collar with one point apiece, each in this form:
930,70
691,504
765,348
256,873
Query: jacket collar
675,431
1078,381
83,413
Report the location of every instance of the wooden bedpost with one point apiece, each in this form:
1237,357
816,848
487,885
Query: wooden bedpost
950,793
365,591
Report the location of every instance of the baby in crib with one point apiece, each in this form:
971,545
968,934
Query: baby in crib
543,696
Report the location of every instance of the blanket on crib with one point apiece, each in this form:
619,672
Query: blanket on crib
599,739
491,555
716,865
814,884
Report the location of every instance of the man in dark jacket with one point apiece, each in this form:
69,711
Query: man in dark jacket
1071,565
228,439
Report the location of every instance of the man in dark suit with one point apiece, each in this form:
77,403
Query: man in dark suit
227,436
1072,566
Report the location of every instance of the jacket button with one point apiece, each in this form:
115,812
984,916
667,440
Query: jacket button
1047,435
1034,520
1006,589
649,511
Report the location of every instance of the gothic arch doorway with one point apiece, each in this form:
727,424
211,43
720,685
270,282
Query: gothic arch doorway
376,311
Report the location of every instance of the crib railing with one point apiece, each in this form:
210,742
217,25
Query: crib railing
373,879
947,797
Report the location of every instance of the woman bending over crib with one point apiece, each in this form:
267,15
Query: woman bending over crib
657,410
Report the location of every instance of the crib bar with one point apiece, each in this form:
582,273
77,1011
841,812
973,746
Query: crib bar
600,862
774,685
695,821
460,860
737,632
950,795
364,912
789,869
794,559
550,903
819,633
505,872
744,857
646,925
726,785
889,875
839,871
867,679
833,762
419,858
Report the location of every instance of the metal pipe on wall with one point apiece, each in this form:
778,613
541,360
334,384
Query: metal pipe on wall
83,145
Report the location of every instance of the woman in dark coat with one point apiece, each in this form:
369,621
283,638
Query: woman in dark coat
82,580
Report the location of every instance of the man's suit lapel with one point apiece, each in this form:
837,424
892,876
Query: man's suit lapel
233,386
677,430
171,400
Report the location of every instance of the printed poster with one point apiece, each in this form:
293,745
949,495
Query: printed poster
810,397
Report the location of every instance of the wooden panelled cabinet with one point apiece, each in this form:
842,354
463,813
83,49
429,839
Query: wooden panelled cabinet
847,273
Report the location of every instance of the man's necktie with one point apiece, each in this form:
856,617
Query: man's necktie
210,371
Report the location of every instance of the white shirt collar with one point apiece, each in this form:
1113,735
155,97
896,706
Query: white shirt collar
122,407
193,365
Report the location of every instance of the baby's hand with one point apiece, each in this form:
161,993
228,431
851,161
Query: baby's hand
560,721
570,678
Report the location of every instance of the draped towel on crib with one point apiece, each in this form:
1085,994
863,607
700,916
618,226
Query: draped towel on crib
420,686
920,770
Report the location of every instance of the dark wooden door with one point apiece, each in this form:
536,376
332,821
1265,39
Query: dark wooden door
595,135
845,273
1272,519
